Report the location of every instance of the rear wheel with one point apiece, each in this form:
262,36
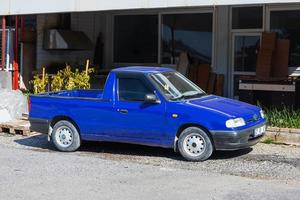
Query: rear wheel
65,136
194,144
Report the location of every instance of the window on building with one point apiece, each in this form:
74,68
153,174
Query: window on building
245,52
132,89
191,33
286,24
136,39
247,17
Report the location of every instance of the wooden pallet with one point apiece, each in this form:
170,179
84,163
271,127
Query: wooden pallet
20,126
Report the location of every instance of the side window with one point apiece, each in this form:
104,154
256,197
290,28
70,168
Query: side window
131,89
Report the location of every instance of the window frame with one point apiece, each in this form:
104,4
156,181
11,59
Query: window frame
234,72
282,7
113,38
160,13
251,29
201,11
248,29
136,78
232,32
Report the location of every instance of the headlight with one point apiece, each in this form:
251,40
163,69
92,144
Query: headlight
262,114
233,123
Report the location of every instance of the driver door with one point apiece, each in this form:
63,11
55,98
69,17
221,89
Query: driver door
137,120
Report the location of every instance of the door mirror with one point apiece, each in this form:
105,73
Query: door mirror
151,98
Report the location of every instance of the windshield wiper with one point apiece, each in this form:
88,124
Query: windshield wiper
178,98
194,95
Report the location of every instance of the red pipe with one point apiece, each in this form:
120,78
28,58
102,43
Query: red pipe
3,42
16,56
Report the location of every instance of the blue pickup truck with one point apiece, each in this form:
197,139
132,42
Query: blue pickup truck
149,106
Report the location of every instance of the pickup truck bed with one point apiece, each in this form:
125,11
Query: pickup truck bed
96,94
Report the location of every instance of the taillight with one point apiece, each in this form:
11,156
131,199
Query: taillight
29,104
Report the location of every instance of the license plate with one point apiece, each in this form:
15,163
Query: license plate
259,131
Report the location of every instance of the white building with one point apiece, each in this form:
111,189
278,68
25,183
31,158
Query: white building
223,33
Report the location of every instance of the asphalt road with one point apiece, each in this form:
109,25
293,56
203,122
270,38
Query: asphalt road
30,168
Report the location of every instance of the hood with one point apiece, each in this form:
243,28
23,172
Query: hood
225,106
57,39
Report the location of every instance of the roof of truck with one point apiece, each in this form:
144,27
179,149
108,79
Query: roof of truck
143,69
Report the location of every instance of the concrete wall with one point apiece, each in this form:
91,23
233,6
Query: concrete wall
95,22
19,7
90,23
222,44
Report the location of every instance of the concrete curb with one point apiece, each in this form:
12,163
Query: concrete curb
288,136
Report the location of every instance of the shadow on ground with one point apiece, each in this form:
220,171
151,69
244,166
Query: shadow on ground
41,142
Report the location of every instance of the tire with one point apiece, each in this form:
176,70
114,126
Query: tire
194,144
65,136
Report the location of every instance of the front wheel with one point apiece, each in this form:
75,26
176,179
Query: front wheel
194,144
65,136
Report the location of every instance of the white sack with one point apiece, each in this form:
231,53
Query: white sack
14,102
4,116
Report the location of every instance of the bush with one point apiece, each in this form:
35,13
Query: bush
283,118
39,85
66,79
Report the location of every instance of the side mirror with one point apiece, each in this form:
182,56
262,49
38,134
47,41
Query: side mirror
151,98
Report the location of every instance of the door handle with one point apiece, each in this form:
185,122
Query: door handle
123,111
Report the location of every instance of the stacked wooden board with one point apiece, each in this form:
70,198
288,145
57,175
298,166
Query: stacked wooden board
19,126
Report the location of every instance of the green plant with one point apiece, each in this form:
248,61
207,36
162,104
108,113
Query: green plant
39,84
66,79
283,118
268,141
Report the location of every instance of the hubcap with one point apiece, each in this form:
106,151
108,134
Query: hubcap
64,136
194,144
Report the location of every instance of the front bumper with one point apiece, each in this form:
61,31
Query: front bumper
234,140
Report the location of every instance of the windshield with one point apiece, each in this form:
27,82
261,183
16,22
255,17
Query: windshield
175,86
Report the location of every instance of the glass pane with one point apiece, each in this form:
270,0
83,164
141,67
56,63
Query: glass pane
247,17
132,89
191,33
286,24
245,53
136,38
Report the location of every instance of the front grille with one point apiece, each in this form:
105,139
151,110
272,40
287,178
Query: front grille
253,118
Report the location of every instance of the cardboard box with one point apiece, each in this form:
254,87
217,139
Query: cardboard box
203,76
219,85
211,83
268,41
264,64
281,59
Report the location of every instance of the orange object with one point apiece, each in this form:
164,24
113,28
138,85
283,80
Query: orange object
15,76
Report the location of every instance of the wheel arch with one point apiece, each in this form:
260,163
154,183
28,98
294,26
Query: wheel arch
62,117
187,125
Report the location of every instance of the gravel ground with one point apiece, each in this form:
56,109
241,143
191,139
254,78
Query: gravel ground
30,168
263,161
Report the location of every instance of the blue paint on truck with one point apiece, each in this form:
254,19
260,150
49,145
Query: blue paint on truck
119,113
